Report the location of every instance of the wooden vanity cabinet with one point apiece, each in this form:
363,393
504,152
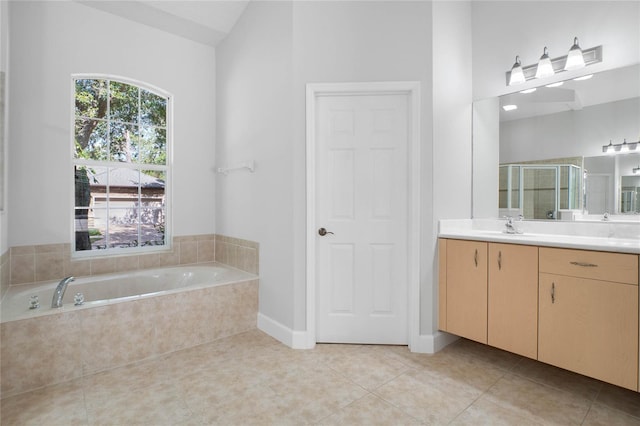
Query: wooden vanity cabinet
575,309
466,289
513,298
588,314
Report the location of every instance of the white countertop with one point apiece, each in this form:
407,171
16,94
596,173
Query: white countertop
605,236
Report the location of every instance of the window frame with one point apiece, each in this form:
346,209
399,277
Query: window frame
141,167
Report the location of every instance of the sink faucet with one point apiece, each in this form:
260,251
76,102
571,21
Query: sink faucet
510,225
605,216
58,294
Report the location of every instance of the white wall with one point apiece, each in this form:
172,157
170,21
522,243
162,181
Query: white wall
51,40
361,41
504,29
263,67
571,133
254,87
452,114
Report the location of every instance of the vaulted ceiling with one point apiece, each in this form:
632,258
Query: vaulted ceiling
204,21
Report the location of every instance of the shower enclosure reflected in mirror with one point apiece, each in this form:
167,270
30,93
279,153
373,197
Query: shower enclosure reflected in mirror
630,194
540,190
550,161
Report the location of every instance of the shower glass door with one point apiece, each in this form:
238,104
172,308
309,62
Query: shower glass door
539,192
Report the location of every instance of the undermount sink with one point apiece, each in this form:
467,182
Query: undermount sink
499,233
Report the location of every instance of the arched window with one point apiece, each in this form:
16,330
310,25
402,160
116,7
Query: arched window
121,152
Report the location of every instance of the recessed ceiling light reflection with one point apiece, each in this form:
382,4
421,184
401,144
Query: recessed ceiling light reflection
533,89
509,107
584,77
558,84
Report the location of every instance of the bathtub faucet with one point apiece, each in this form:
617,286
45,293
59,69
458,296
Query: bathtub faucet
58,294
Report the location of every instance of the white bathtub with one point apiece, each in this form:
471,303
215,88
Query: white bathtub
115,288
128,317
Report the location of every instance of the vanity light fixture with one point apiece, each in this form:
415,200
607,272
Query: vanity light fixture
509,107
556,84
547,67
620,147
533,89
575,60
584,77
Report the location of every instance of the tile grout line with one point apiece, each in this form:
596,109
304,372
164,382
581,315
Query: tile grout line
505,372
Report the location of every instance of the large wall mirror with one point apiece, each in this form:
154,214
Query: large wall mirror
549,147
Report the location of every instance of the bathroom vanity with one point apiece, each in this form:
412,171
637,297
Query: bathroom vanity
563,293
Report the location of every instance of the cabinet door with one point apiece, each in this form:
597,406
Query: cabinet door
467,289
513,298
590,327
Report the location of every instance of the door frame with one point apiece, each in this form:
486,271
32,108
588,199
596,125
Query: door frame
411,89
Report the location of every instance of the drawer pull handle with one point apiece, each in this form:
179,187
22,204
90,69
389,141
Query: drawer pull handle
584,264
553,292
475,258
500,260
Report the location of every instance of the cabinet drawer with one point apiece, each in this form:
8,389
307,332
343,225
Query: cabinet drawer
616,267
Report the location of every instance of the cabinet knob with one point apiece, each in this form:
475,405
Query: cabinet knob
553,292
500,260
475,258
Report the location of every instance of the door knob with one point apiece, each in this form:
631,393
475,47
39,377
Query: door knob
324,232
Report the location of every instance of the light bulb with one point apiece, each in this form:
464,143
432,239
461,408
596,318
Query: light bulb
545,69
575,59
517,75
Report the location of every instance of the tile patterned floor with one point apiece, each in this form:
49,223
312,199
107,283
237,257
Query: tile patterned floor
252,379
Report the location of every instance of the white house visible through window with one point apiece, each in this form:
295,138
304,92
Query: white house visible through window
120,166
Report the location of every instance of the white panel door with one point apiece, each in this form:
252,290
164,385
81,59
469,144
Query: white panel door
361,201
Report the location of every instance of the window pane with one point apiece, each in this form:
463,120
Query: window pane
97,228
123,224
124,102
152,214
153,182
91,98
91,139
153,109
90,207
151,225
81,211
119,207
123,142
152,146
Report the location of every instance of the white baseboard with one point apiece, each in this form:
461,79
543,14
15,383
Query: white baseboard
432,343
425,343
293,339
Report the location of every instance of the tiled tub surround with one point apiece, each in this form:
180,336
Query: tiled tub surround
55,348
106,289
71,344
46,262
4,273
28,264
241,254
